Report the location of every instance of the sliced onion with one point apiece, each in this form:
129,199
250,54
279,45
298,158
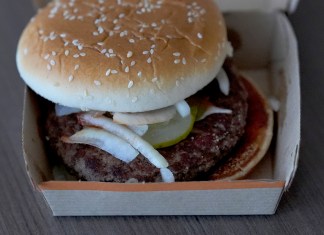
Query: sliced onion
211,110
229,49
183,108
223,82
274,103
61,110
123,132
143,118
167,175
139,129
105,141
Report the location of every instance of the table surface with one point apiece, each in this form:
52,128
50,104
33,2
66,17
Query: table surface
301,210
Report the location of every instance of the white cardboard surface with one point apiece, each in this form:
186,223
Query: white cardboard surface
257,5
270,57
207,202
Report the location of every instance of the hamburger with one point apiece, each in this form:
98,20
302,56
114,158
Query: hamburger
143,91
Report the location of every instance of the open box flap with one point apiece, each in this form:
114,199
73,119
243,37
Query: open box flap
269,56
258,5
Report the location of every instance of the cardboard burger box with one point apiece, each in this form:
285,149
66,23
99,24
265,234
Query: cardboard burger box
269,56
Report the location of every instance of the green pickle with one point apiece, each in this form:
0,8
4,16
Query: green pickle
161,135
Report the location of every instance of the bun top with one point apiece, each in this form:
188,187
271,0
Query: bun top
122,55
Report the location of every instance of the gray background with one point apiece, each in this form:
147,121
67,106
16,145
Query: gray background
301,211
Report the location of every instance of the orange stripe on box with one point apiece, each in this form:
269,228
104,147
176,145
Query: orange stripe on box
147,187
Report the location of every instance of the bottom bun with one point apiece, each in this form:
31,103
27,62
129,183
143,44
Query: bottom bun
255,141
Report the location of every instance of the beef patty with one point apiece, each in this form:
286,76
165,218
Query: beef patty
210,140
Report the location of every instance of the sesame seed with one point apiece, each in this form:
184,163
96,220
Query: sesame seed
114,71
76,55
129,54
115,21
111,51
95,34
111,33
121,15
176,61
83,54
97,83
139,74
53,53
117,27
149,60
176,54
66,52
153,24
62,35
100,30
145,52
126,69
100,43
76,67
199,35
152,51
49,67
153,46
52,62
108,72
130,84
75,42
80,47
112,55
203,60
184,61
131,40
107,55
66,43
103,51
133,63
46,56
70,78
122,34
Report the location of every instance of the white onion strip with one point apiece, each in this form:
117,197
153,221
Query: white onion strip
183,108
142,118
213,109
139,129
103,140
223,81
123,132
167,175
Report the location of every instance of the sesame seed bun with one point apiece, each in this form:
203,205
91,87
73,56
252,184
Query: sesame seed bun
122,56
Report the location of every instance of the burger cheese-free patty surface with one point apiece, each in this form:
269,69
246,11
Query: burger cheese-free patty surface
210,140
